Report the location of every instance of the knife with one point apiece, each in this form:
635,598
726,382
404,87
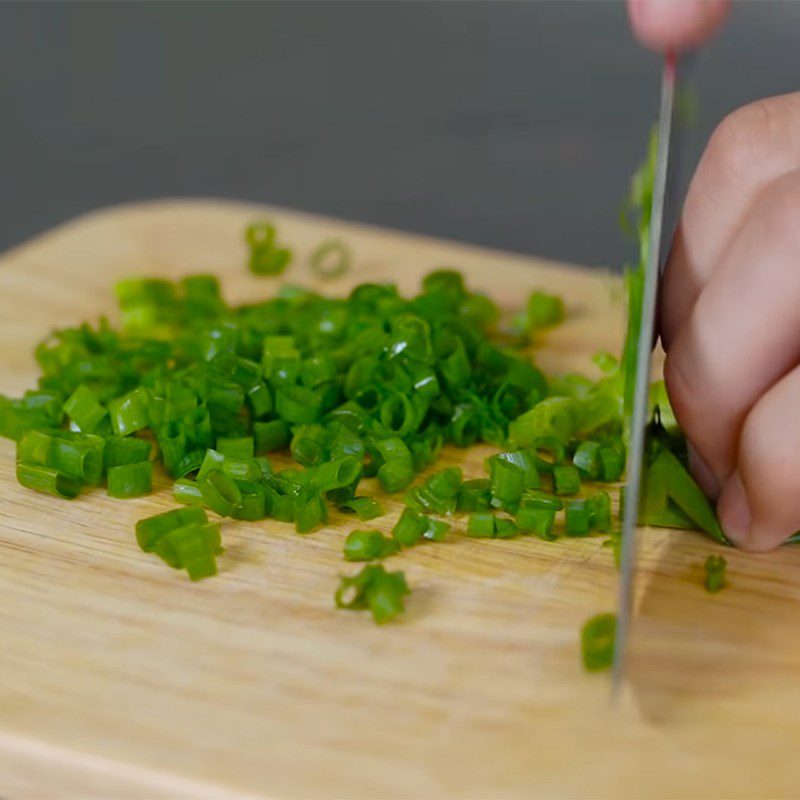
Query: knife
640,406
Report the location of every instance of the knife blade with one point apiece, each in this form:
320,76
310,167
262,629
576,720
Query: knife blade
641,394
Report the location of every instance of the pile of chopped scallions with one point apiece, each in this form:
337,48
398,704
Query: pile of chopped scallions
372,385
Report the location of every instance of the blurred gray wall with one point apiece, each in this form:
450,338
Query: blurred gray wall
510,124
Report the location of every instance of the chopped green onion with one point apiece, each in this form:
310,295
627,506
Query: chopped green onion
368,545
129,412
672,498
172,445
35,447
150,529
597,642
435,529
84,409
505,528
168,403
439,494
485,525
538,521
337,474
715,578
453,361
566,480
555,417
410,338
397,471
253,505
421,500
190,462
475,495
241,447
77,455
481,525
409,529
331,259
533,498
526,461
544,311
196,425
187,491
260,400
120,451
465,425
508,481
398,415
600,512
242,469
365,508
297,403
310,444
310,511
213,459
612,462
36,410
375,589
265,257
577,518
130,480
279,506
48,480
445,281
272,435
446,483
548,452
276,350
202,294
587,460
220,492
193,548
237,468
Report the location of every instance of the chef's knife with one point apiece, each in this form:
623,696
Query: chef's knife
640,406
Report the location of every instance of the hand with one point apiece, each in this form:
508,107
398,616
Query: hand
676,24
730,322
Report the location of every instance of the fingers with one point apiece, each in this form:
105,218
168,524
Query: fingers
676,24
743,333
750,149
760,503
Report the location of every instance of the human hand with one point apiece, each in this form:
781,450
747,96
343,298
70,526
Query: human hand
730,322
676,24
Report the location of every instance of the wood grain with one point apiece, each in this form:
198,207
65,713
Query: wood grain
120,678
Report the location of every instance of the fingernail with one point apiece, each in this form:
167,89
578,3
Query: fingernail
702,473
734,511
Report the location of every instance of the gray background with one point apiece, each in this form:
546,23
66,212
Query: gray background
514,125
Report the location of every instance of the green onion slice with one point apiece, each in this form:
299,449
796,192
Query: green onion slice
331,259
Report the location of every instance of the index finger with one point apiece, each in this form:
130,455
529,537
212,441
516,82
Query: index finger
676,24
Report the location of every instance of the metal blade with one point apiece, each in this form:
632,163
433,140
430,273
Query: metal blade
639,410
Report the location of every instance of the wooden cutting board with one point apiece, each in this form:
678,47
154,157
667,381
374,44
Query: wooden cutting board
120,678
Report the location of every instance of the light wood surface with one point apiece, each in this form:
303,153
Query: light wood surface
120,678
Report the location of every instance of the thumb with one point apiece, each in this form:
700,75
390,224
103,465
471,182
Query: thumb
676,24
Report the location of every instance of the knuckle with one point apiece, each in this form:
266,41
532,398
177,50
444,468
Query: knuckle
747,138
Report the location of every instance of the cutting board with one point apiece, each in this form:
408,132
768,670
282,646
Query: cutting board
121,678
